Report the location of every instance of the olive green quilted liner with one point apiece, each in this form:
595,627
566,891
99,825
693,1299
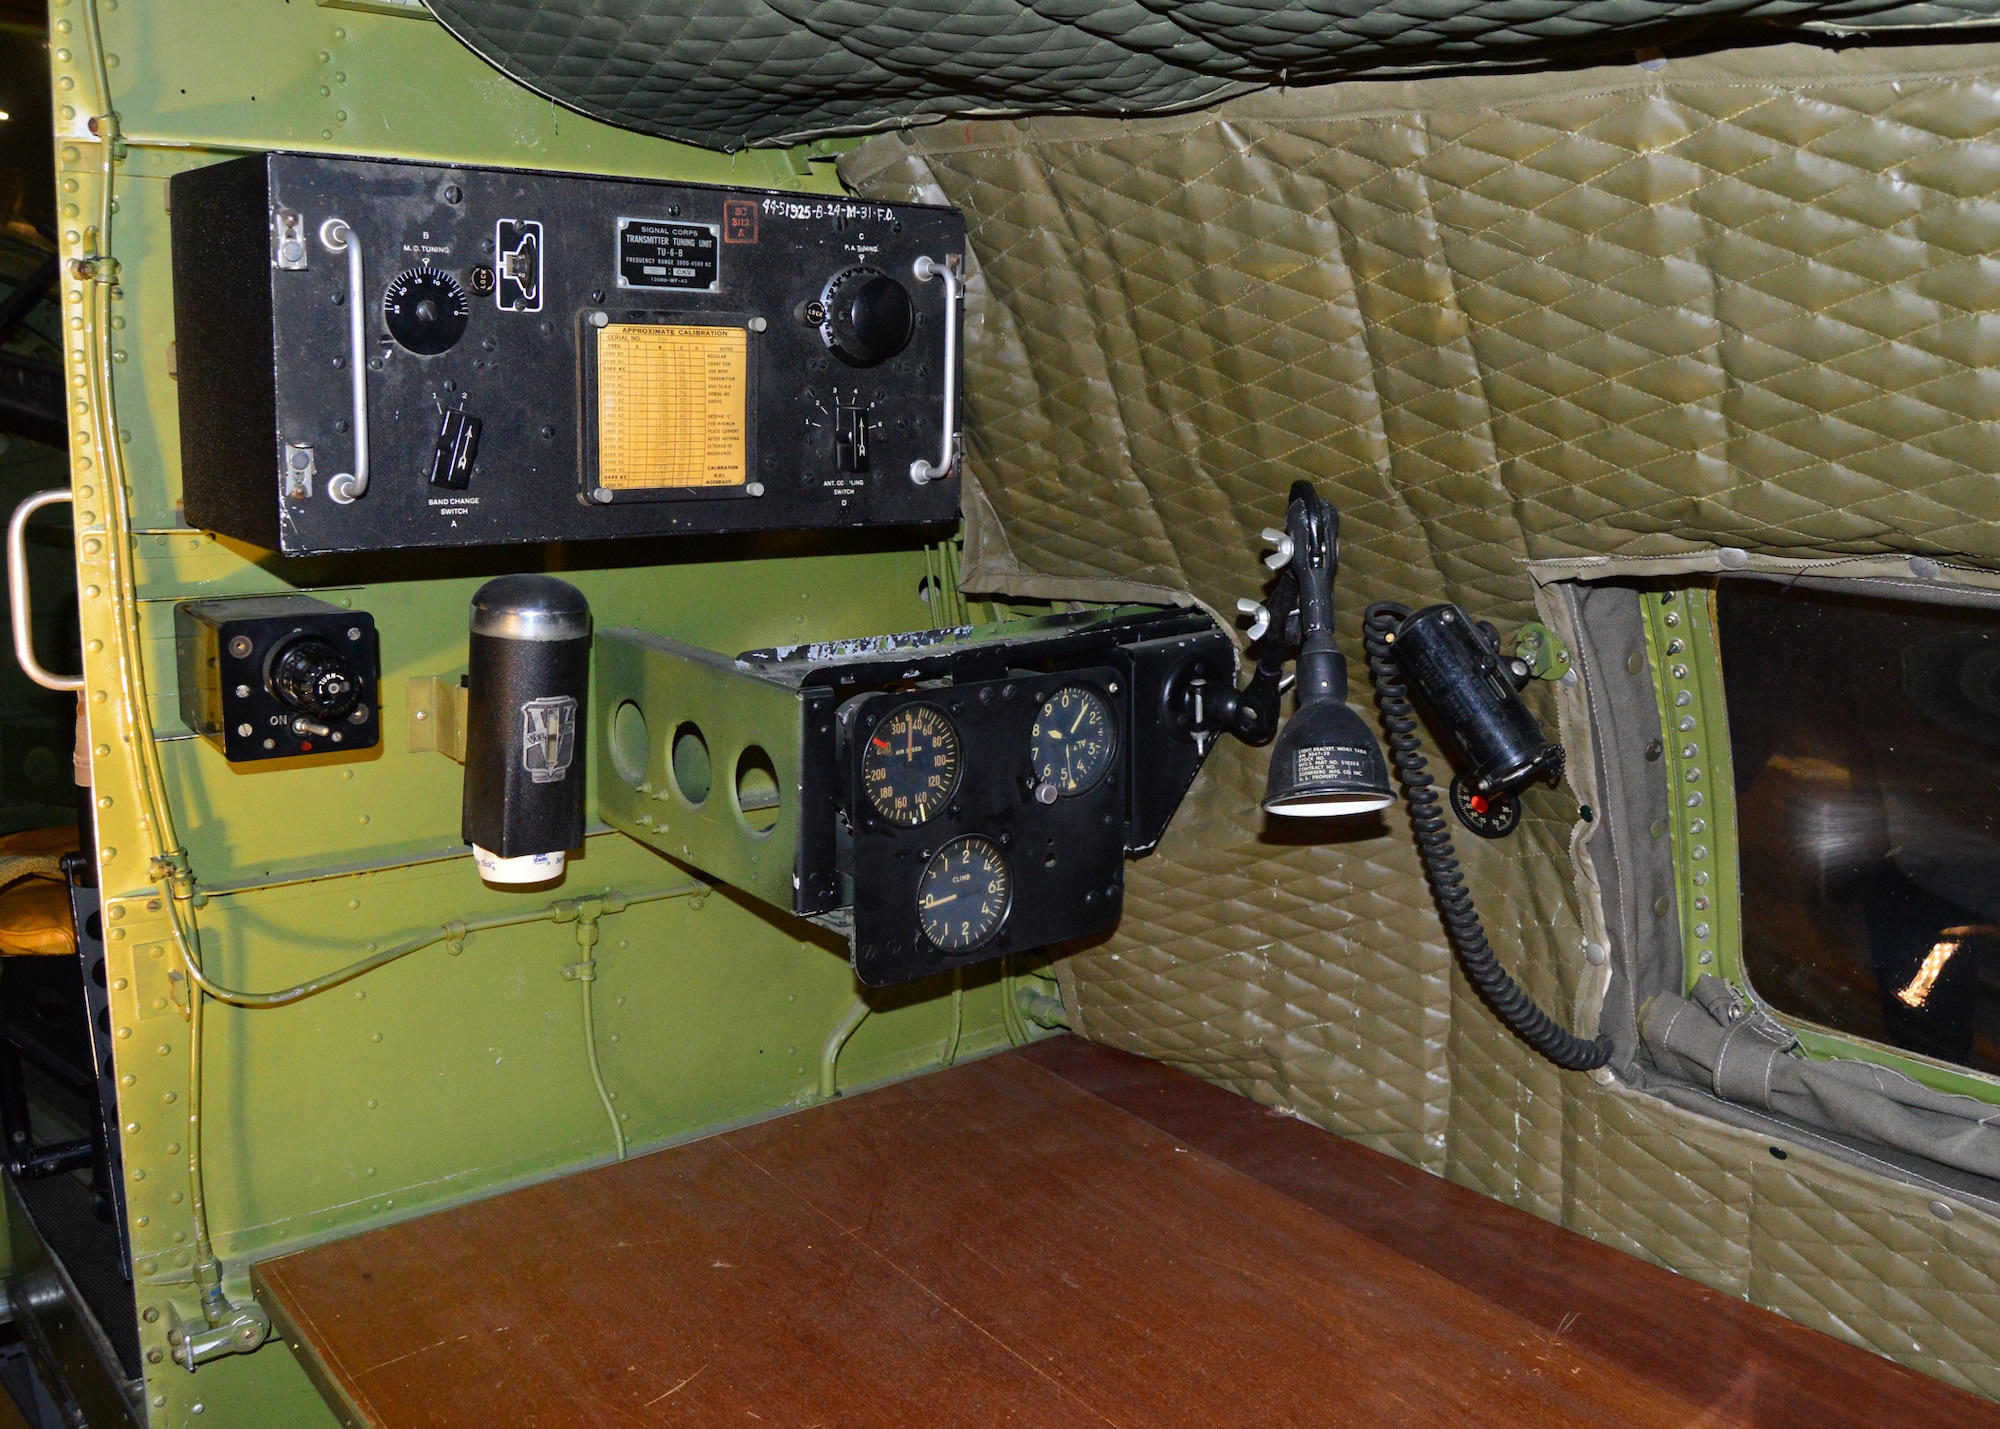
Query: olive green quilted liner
1619,318
724,73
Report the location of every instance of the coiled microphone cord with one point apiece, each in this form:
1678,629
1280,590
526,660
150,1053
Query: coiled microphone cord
1454,899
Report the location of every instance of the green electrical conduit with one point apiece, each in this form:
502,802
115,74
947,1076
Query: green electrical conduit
566,910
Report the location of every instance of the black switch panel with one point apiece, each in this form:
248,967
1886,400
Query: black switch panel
274,677
457,446
642,358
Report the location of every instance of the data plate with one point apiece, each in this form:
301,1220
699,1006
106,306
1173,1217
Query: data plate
679,256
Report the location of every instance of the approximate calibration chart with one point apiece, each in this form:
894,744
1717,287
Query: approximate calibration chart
671,406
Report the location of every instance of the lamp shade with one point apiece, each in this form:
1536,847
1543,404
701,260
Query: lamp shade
1327,763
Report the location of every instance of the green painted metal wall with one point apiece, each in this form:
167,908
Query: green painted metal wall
453,1072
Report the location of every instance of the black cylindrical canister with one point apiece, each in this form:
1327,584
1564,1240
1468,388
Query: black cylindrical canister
1455,670
530,673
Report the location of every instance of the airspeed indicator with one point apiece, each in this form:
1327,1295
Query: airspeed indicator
909,766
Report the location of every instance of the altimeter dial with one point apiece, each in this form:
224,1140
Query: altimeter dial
1072,741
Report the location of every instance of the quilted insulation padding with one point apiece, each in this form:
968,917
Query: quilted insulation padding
726,73
1743,301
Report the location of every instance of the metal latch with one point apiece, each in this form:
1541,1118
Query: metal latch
299,470
1543,653
288,240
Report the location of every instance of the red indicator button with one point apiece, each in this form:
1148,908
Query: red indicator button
1479,804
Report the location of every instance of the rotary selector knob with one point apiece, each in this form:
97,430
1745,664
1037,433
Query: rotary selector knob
426,310
867,316
312,677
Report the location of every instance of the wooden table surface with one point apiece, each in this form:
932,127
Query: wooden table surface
1062,1235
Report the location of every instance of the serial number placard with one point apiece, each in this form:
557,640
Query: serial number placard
672,405
653,253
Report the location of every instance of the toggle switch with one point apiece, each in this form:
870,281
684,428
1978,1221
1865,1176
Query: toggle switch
457,445
850,438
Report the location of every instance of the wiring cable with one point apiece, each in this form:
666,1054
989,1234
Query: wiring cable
563,910
1461,920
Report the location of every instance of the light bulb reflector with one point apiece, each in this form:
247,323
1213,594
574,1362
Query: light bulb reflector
1328,806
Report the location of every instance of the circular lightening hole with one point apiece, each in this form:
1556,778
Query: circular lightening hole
757,792
631,745
694,776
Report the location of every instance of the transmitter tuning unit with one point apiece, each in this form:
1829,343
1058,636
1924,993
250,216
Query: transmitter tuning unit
275,677
377,355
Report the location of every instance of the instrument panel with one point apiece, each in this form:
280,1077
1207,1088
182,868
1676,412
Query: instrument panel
983,818
943,797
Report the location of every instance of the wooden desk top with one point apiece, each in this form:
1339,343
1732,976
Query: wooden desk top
1059,1236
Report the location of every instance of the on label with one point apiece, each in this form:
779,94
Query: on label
1331,761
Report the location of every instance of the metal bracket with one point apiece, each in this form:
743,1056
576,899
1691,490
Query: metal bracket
435,716
241,1333
1544,653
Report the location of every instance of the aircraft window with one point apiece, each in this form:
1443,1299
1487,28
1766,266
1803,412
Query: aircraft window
1866,735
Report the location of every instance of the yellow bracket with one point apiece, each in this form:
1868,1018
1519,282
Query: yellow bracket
434,716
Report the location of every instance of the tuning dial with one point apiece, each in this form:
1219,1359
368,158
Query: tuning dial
312,677
426,310
867,316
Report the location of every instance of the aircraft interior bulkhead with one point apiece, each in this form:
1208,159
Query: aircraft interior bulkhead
983,713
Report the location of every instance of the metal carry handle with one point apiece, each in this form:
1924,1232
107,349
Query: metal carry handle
927,268
17,591
339,238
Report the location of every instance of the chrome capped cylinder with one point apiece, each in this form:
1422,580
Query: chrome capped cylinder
524,739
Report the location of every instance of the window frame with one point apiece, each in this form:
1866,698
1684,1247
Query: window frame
1684,655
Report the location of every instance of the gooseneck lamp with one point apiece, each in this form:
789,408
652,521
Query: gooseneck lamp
1326,762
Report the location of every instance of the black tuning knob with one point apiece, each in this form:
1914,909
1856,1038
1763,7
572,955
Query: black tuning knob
312,676
867,316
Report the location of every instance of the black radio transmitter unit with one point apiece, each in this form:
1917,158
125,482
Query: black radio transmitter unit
379,355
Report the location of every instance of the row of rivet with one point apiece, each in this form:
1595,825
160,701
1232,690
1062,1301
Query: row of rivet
1690,752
